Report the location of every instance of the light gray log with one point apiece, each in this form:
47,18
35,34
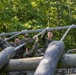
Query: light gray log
26,64
68,61
48,64
5,55
38,30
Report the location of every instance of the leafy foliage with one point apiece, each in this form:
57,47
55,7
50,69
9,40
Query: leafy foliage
17,15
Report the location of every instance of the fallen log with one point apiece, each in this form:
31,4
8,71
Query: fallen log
26,64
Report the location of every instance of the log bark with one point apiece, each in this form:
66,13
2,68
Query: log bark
67,61
48,64
5,55
26,64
